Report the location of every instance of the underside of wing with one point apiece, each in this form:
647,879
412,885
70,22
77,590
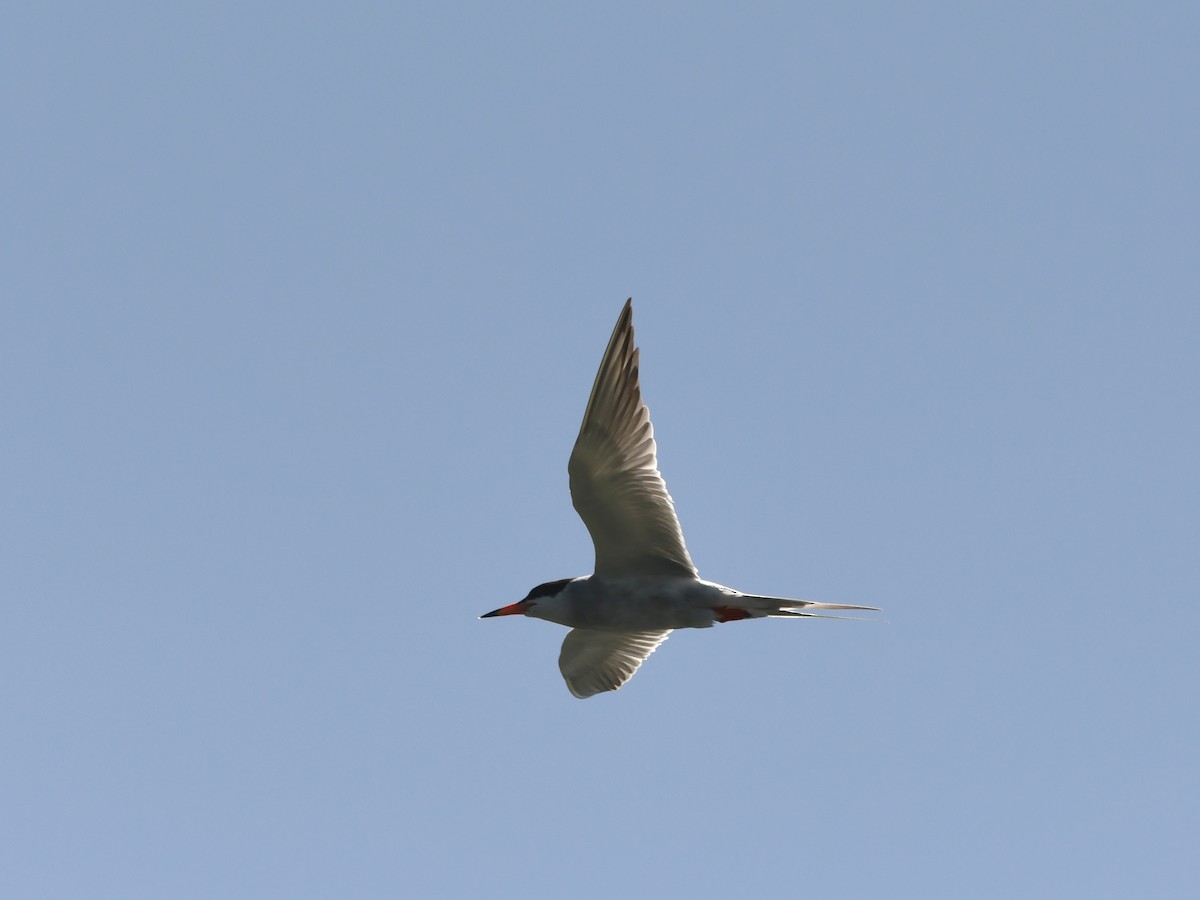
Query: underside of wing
594,661
615,483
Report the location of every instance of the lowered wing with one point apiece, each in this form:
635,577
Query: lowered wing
594,661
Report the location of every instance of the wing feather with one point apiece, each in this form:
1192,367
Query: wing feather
615,483
594,661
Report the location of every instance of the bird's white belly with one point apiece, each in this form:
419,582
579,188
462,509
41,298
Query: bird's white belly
644,603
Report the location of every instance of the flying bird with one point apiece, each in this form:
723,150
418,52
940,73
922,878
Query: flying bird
645,583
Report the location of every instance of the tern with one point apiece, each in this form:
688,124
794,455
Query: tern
645,584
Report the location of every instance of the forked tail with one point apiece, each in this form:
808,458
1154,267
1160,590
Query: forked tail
751,606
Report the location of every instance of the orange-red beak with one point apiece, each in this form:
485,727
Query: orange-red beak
516,609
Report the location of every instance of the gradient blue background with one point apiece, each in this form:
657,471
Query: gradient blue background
301,306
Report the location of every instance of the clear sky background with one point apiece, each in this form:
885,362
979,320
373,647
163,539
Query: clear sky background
301,306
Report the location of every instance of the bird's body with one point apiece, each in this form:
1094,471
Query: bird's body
645,584
653,602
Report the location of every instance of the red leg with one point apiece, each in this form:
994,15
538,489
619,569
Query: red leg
730,613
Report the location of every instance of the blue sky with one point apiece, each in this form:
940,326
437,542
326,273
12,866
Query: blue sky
301,307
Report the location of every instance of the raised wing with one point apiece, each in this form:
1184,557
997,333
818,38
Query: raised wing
594,661
615,483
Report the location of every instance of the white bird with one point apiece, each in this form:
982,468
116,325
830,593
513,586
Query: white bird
645,584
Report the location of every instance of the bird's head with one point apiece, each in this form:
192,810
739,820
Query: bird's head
539,603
